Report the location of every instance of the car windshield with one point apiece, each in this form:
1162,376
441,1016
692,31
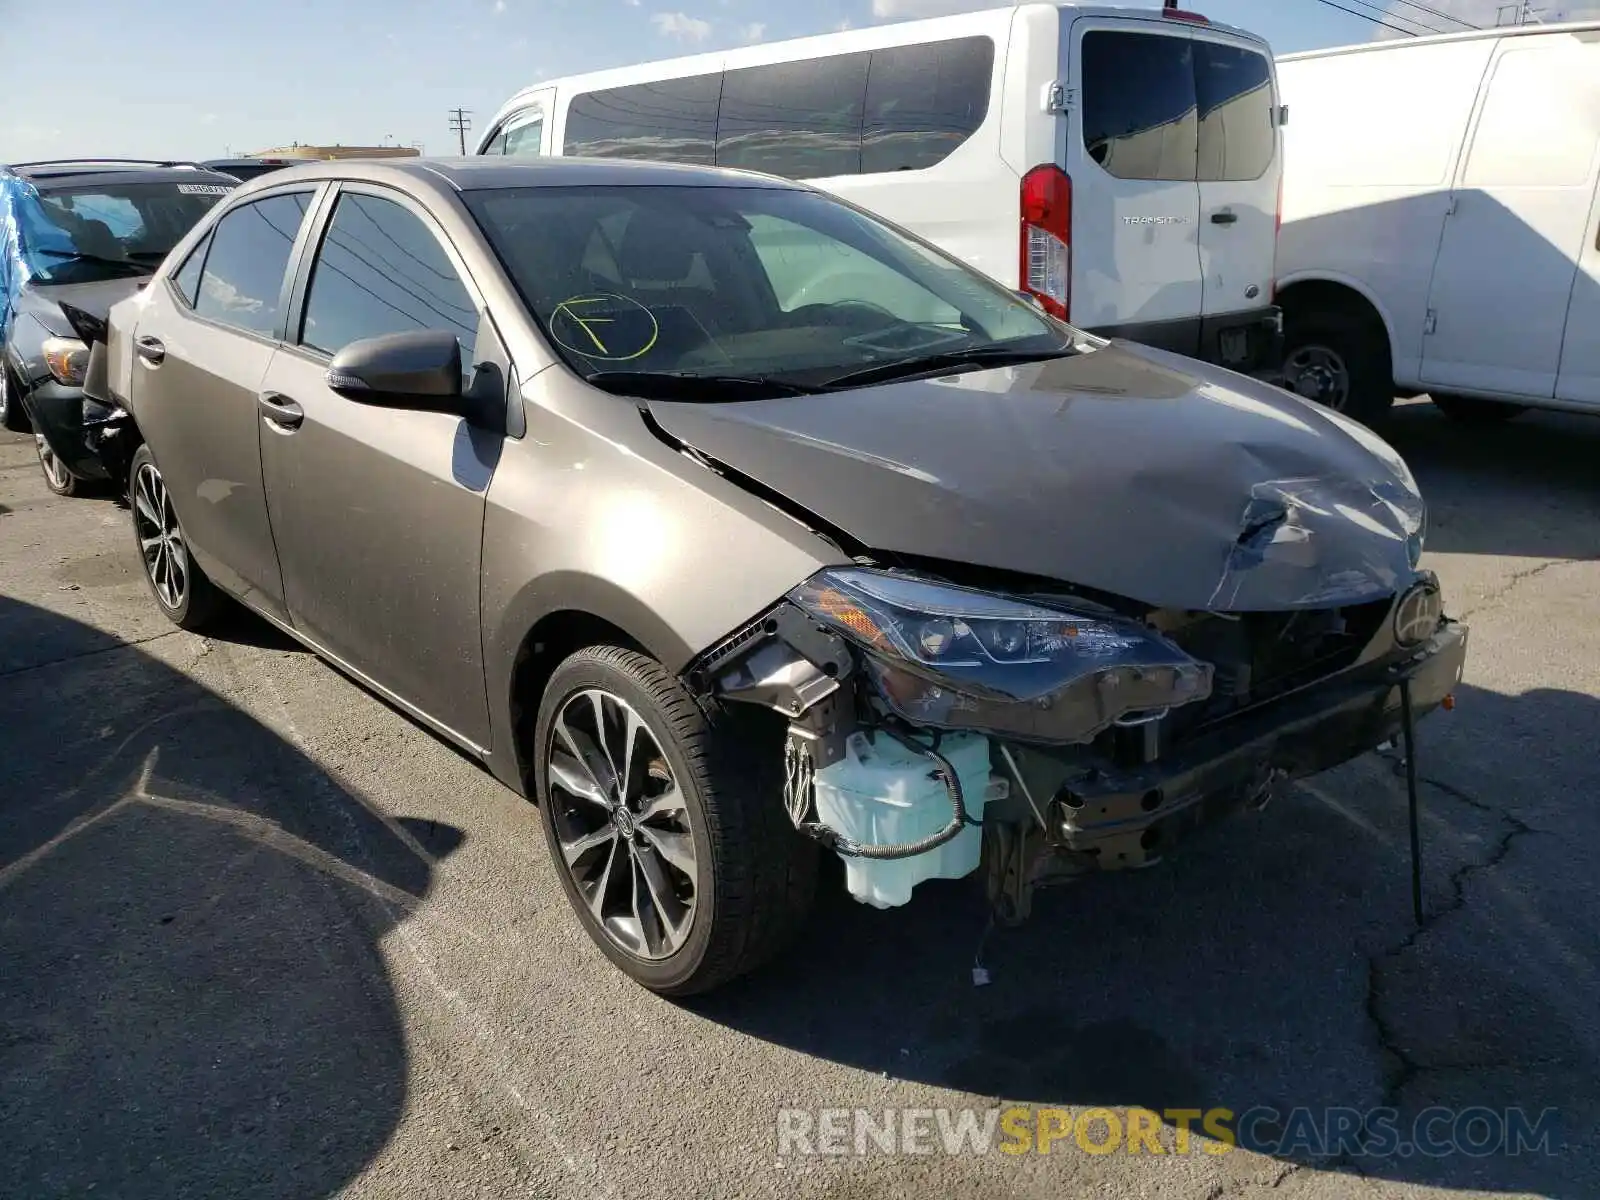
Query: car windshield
82,234
653,285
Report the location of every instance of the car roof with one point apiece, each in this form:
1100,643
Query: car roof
94,172
482,172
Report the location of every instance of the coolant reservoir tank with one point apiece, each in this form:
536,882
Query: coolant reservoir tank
881,793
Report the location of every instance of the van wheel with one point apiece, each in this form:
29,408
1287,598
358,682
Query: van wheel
668,830
179,586
1469,410
1341,361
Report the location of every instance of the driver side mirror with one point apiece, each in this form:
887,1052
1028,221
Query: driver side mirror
419,369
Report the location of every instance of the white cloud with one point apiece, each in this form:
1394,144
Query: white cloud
681,26
209,119
499,7
1455,16
843,25
633,3
905,10
753,32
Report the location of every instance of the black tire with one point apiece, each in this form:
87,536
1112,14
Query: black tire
754,875
58,477
1359,345
12,416
1469,410
195,605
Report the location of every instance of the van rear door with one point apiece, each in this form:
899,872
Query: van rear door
1130,152
1239,168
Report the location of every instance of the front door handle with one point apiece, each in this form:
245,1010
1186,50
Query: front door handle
1224,218
281,411
151,350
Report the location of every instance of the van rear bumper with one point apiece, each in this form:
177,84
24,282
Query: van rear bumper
1249,342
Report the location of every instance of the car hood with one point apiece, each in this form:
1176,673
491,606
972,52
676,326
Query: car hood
1121,469
43,301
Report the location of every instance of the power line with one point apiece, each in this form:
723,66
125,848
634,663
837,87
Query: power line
1377,20
1387,10
460,122
1444,16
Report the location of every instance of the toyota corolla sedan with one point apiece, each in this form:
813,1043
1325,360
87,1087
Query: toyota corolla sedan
732,525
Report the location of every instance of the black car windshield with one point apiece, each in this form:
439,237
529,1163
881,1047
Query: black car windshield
83,234
756,284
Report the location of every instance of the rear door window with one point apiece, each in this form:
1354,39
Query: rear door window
243,276
669,120
923,101
1139,105
1238,133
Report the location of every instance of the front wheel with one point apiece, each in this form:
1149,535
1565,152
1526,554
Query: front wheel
176,581
11,415
1340,361
57,476
668,831
1471,411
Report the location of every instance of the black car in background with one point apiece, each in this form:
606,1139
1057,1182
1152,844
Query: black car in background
246,169
76,236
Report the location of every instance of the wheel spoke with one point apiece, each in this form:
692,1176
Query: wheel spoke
632,730
149,543
575,848
668,804
666,909
595,897
587,781
676,848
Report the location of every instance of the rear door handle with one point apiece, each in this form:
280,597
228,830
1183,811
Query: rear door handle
281,411
151,350
1224,218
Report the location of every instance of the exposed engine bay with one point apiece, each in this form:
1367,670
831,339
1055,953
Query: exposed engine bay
936,730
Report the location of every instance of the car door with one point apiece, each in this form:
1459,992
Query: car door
1503,281
1579,380
1239,169
378,513
202,347
1131,158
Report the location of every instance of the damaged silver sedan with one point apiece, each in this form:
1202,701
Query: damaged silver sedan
735,527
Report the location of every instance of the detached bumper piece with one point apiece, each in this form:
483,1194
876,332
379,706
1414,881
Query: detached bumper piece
1106,817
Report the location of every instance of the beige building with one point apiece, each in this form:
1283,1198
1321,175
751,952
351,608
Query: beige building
324,152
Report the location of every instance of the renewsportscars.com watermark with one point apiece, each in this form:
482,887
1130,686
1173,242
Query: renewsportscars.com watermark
1368,1133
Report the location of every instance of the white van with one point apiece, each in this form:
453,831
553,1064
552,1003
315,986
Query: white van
1441,223
1120,165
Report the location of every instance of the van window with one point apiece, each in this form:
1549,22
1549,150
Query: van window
1139,104
520,137
800,119
669,120
1540,122
902,108
1238,133
923,102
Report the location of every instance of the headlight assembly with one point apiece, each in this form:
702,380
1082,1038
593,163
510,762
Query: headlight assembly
67,359
954,658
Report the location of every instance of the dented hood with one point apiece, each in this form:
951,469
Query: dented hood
44,301
1122,469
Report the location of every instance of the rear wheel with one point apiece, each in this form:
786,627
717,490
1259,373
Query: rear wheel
57,477
179,586
1340,360
1471,411
668,831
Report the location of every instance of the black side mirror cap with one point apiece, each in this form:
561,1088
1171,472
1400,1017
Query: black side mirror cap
420,369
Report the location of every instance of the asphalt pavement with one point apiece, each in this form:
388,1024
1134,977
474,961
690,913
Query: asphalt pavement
263,936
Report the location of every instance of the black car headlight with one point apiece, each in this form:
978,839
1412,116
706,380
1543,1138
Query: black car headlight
956,658
67,359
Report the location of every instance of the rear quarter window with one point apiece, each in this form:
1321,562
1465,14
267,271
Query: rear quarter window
1237,128
1139,105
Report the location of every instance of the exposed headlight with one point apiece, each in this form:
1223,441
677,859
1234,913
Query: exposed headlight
67,359
954,658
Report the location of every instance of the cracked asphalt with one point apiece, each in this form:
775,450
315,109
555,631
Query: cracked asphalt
260,935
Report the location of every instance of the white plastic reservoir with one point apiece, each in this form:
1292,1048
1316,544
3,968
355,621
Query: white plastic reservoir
881,794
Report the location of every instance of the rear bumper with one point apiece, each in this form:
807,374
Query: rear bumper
1125,817
1249,342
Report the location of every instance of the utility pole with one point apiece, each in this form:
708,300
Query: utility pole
460,122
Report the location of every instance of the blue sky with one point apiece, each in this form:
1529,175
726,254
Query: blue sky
200,78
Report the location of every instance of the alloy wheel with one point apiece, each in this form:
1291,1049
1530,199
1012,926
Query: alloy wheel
622,824
1319,373
166,559
5,396
54,469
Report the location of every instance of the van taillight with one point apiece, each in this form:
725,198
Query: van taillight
1047,238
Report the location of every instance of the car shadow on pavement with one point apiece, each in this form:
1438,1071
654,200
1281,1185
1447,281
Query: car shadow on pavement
193,1001
1273,966
1519,489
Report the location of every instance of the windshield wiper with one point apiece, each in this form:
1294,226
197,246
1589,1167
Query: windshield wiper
684,385
934,364
97,259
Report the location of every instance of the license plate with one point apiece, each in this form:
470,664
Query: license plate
1235,345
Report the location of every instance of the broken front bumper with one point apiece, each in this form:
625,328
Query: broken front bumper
1120,817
